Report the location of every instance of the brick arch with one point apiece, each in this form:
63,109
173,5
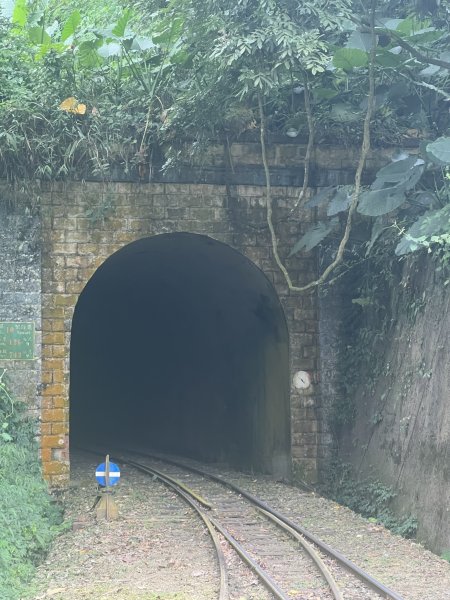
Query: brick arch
180,343
84,224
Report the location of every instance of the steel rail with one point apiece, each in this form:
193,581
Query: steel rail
164,476
189,496
326,573
263,575
372,582
182,490
265,578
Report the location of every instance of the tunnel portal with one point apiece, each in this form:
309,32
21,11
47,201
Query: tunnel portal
179,344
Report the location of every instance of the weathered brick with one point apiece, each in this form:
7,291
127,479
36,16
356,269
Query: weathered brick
55,351
46,454
59,376
65,300
59,402
47,377
46,403
55,468
53,441
45,428
145,209
54,313
60,428
53,338
52,364
53,415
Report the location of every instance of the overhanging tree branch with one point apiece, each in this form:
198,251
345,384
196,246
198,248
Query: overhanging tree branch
393,35
309,147
365,149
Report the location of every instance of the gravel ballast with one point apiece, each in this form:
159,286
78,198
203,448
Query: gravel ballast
159,550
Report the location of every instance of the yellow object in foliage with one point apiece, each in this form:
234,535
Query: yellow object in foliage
72,106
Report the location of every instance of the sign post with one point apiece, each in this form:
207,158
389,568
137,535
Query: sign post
107,475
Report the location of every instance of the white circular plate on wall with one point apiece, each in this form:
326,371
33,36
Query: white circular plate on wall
302,380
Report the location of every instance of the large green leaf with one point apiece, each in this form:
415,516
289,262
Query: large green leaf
359,40
385,58
426,36
121,26
170,32
110,49
439,151
141,43
433,222
88,55
71,25
378,201
38,35
340,201
396,171
314,236
20,13
350,58
411,26
323,196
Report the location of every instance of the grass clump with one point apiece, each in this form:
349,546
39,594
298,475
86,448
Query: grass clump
29,519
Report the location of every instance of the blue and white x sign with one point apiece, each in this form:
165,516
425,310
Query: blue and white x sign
114,474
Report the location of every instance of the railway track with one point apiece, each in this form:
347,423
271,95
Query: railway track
290,562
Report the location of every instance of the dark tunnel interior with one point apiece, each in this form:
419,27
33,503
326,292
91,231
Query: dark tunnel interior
179,344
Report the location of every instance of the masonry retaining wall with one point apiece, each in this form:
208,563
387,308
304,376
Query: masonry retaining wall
83,223
20,295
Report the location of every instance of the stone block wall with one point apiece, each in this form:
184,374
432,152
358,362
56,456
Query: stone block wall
82,224
20,295
85,223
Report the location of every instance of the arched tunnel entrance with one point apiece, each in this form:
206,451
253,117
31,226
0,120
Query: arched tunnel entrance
179,343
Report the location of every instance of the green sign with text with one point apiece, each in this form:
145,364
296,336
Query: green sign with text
16,341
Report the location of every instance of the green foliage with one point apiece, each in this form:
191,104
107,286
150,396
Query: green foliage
370,498
114,72
439,151
348,59
29,519
431,228
314,236
411,98
163,78
446,555
388,192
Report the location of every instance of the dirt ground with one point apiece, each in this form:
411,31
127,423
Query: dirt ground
159,550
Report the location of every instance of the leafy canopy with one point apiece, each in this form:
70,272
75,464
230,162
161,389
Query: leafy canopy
158,80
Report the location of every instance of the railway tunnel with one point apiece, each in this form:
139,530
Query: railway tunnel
179,344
